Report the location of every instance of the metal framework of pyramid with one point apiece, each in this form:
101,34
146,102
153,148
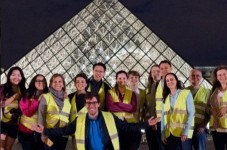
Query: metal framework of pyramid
104,31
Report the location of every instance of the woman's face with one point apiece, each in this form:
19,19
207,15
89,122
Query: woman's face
80,84
121,79
155,73
57,84
40,83
15,77
171,82
222,76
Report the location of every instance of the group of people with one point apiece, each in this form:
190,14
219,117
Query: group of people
99,117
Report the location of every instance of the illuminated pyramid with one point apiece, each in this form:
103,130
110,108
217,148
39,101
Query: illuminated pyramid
104,31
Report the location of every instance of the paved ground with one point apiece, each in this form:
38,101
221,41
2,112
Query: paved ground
143,146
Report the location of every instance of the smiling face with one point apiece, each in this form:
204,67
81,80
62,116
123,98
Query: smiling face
164,69
171,82
98,73
40,83
222,76
155,73
15,77
195,77
133,80
57,83
92,106
80,84
121,80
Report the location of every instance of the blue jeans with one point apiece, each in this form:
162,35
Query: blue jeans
199,140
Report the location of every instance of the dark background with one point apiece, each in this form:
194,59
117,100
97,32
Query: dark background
195,29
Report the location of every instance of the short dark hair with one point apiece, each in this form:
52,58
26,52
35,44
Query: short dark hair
165,62
100,64
134,73
90,95
82,75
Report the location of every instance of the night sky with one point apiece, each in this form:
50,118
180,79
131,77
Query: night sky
196,30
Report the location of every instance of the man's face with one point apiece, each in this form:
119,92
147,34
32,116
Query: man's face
133,80
195,77
98,73
92,106
164,69
121,80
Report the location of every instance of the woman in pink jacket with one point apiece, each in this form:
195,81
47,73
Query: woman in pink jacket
29,103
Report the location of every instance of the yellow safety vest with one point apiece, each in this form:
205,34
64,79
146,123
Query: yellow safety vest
222,120
73,112
101,94
127,100
54,115
175,118
200,102
159,99
110,124
6,117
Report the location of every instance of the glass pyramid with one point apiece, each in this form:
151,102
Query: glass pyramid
104,31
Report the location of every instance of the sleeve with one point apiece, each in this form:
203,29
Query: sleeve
42,110
120,106
28,107
129,127
191,113
67,130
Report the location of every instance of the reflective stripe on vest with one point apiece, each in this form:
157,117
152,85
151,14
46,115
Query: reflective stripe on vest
111,127
126,100
73,112
175,118
28,122
200,101
54,115
159,100
7,115
101,95
222,120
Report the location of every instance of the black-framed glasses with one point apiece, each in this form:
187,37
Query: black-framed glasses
91,103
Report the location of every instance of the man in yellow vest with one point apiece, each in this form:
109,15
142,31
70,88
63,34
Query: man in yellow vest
200,96
96,130
96,84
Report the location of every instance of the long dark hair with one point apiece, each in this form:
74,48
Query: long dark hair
150,79
31,91
8,87
166,90
216,83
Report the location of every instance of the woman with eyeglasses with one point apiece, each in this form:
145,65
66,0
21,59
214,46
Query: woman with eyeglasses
123,103
10,94
29,103
177,122
54,111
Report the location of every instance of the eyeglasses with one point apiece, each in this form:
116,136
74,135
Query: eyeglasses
91,103
40,81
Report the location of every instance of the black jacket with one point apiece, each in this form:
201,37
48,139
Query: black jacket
120,125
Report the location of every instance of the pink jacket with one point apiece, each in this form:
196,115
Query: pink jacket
28,108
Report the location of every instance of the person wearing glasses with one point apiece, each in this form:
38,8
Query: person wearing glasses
97,84
29,104
54,110
95,130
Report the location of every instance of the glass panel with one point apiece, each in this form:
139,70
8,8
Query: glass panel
104,31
